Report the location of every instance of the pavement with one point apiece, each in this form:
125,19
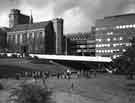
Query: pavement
62,97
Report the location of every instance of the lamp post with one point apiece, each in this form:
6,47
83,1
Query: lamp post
66,50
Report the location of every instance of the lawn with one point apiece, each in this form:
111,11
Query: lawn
104,88
14,65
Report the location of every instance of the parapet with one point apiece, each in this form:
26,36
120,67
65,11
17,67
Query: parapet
15,11
57,20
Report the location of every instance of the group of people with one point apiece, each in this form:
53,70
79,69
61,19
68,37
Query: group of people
59,75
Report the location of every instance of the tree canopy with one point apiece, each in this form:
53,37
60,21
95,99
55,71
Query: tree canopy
126,62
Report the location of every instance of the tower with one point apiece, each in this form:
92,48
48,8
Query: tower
58,29
14,17
31,18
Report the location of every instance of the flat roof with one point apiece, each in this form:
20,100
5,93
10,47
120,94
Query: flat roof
73,58
120,15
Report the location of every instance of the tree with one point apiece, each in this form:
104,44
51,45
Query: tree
126,62
30,93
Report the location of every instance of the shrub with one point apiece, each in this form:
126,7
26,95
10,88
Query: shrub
1,86
30,93
35,57
14,55
3,55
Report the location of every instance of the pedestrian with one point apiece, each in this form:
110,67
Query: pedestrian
95,73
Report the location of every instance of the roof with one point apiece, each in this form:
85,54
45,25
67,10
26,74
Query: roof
85,35
111,21
22,27
73,58
120,15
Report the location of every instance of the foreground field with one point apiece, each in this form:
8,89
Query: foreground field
9,66
104,88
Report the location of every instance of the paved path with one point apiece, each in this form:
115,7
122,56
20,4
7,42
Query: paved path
62,97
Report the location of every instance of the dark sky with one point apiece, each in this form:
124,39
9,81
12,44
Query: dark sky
78,15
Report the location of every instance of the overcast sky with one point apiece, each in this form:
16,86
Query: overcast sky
78,15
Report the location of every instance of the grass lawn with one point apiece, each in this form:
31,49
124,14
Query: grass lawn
104,88
13,65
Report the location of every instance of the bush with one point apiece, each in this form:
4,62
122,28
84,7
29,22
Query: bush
30,93
14,55
1,86
35,57
3,55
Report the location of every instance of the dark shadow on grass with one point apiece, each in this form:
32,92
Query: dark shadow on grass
130,85
41,61
11,70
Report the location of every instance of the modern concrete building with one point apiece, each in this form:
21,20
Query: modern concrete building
41,37
80,44
113,34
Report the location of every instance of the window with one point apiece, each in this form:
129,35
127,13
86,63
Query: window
102,51
117,50
111,51
127,26
99,40
114,56
130,25
78,50
108,39
97,29
114,39
124,50
108,45
121,38
33,35
108,51
114,45
82,46
28,35
128,44
120,27
133,25
102,45
120,44
124,26
109,33
117,27
21,38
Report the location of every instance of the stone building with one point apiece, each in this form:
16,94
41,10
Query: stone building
41,37
114,34
16,17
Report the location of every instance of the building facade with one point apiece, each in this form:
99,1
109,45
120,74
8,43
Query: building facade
58,30
34,38
82,44
16,17
41,37
113,35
